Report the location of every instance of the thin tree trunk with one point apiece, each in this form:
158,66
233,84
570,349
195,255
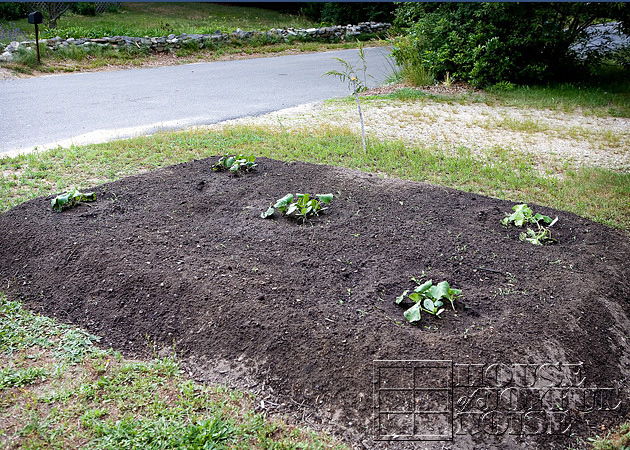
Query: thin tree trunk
356,95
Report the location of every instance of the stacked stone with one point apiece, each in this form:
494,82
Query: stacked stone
172,42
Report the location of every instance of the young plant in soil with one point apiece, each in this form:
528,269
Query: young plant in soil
235,164
70,199
301,207
523,215
429,298
356,85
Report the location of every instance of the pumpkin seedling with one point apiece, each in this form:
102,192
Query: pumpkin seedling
70,199
539,237
428,298
300,206
235,164
524,215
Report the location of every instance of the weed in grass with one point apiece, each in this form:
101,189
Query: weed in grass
10,377
410,66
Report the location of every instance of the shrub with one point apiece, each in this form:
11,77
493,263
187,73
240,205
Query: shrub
13,11
488,43
84,8
342,13
408,55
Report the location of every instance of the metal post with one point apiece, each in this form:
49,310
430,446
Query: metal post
37,43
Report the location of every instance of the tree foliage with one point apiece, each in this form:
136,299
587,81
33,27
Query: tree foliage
343,13
51,11
487,43
13,11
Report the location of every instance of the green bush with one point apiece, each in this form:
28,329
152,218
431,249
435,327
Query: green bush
84,8
343,13
408,55
13,11
488,43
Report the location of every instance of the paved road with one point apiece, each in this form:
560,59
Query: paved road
95,107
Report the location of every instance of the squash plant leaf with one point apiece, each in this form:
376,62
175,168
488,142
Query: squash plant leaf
424,286
428,297
325,198
267,213
399,299
236,163
70,199
282,203
523,214
440,290
413,313
302,206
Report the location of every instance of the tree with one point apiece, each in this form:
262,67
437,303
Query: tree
487,43
51,11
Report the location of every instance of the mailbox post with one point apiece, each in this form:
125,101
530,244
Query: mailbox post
36,18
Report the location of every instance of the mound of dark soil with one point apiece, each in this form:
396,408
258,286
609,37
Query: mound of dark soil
299,313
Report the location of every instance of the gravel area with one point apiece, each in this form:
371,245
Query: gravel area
552,138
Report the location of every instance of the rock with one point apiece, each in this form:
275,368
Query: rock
171,42
6,57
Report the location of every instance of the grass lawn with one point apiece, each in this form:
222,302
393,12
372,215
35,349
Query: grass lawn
161,19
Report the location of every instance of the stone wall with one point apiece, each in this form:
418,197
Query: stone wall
172,42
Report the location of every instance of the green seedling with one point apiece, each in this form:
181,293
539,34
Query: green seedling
70,199
300,206
235,164
428,298
540,237
356,83
524,215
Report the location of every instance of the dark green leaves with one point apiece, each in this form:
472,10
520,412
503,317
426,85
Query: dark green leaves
300,206
235,164
70,199
524,215
429,298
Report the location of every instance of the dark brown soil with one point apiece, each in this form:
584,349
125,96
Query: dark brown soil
298,313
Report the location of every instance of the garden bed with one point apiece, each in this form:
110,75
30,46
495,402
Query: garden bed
181,258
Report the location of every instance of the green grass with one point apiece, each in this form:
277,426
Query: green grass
599,194
76,59
59,390
603,99
614,440
604,95
161,19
